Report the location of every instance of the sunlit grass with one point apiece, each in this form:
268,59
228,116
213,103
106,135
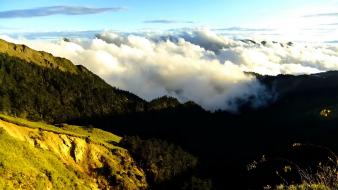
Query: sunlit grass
94,134
326,178
25,167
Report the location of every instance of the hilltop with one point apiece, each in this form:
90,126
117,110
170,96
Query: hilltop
40,58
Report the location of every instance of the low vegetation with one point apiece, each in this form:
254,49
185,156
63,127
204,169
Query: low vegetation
305,167
35,155
325,178
25,167
89,133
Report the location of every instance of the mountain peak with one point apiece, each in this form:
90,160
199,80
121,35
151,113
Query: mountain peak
40,58
164,102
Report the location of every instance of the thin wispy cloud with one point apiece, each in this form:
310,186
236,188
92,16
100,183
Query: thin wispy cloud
323,15
243,29
330,24
56,10
164,21
55,35
332,42
8,28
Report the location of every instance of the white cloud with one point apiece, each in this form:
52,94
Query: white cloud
55,10
196,65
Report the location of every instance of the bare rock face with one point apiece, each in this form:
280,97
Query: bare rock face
78,149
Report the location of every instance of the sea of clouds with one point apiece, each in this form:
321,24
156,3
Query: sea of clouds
199,65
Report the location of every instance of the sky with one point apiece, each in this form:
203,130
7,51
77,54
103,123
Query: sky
292,18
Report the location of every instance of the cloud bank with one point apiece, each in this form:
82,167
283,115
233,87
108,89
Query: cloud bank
240,29
196,65
55,10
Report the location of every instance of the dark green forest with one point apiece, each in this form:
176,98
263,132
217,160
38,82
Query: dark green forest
167,165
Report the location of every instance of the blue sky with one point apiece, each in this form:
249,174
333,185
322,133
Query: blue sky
134,15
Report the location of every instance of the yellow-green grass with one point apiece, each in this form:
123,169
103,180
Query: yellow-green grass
94,134
304,186
26,167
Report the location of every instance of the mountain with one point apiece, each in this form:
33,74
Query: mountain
305,94
178,146
40,86
304,111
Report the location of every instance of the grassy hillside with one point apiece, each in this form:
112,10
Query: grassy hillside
39,156
89,133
